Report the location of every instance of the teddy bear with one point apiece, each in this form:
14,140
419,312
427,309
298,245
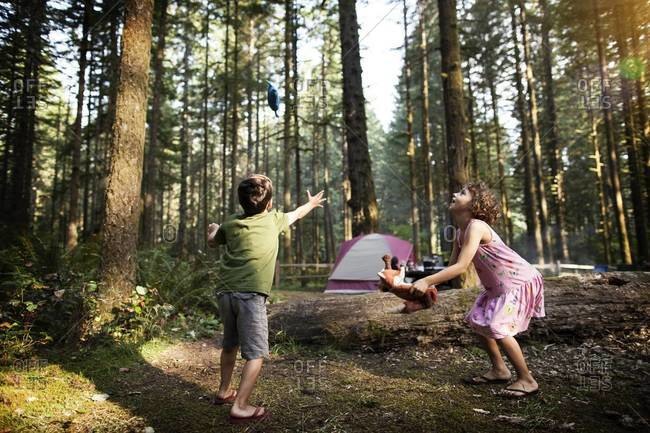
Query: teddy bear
393,280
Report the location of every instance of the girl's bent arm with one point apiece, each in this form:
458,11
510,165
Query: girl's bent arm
464,257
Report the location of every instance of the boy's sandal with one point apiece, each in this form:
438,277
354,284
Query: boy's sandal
483,380
230,399
256,416
510,392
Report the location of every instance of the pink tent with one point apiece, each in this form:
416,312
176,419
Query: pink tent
359,260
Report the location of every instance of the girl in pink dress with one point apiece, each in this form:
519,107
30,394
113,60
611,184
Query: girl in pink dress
514,289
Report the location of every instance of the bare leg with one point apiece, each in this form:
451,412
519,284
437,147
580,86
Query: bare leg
248,379
499,369
228,358
525,380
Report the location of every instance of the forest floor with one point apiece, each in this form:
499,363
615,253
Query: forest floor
165,385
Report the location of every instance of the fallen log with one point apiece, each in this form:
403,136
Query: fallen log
577,307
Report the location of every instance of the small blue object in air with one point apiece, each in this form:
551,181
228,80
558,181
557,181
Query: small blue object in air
273,98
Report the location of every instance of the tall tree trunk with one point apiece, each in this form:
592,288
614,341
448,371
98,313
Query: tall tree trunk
250,145
58,152
363,202
151,164
11,103
288,134
24,136
181,238
296,129
410,148
612,146
235,113
346,194
537,142
226,91
643,126
87,169
115,15
205,191
429,219
604,220
73,221
553,140
534,233
329,225
636,182
452,81
503,192
258,75
473,172
120,229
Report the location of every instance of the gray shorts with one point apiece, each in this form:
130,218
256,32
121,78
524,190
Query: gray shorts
245,323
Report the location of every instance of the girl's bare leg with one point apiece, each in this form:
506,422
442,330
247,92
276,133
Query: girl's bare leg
525,380
499,369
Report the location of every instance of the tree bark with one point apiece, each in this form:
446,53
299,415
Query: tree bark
636,180
553,140
612,146
473,173
643,126
576,308
410,147
75,178
363,201
452,81
226,90
288,133
151,164
205,191
300,256
604,219
533,230
537,142
24,136
234,201
429,221
120,229
503,192
181,235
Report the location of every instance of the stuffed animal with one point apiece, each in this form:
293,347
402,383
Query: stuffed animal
391,280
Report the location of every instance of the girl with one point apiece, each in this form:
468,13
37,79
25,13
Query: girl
514,289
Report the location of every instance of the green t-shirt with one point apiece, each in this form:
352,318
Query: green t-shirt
248,263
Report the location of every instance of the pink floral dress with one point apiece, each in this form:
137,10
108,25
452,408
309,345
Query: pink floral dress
514,289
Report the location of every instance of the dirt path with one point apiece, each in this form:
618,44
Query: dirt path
588,386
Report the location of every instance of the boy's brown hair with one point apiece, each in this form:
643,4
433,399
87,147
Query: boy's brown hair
255,193
485,205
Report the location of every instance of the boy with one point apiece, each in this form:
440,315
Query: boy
245,276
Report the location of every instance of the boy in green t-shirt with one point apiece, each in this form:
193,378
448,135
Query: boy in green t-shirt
245,276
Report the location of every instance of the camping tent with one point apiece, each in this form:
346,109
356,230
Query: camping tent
359,260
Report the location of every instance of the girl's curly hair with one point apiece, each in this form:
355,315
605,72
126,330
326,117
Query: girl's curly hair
485,205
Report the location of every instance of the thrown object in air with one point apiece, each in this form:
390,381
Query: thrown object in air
273,98
393,281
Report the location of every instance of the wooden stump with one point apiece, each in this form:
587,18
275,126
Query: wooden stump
577,307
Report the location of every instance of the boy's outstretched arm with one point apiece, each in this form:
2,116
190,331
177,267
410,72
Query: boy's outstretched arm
312,203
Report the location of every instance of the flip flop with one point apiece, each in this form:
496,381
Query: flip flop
523,392
256,416
483,380
231,398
